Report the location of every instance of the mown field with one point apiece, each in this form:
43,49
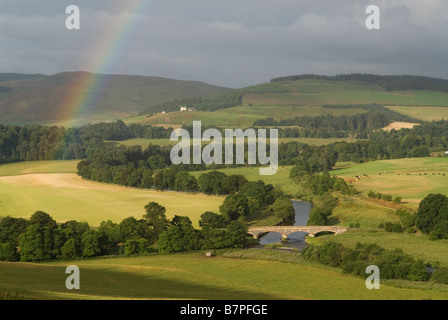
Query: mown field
412,98
193,276
53,187
412,179
422,112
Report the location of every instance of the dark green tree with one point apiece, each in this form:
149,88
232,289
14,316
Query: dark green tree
211,182
284,210
179,237
233,183
317,217
433,209
36,244
234,207
155,215
91,244
212,220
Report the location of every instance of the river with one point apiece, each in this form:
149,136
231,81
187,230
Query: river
297,239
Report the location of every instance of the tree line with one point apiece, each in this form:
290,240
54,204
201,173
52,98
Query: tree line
42,239
360,125
394,264
330,125
36,143
388,83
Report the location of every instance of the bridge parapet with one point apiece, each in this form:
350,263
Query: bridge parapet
287,230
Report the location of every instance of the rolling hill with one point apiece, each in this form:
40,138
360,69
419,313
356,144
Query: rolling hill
311,96
59,98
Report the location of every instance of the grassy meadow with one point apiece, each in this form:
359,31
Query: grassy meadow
417,245
144,143
424,113
412,179
262,276
53,187
240,116
307,98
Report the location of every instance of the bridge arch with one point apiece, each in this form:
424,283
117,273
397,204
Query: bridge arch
287,230
324,232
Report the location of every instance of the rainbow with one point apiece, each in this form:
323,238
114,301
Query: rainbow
105,55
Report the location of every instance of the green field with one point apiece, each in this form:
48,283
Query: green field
144,143
352,210
412,179
193,276
412,98
305,98
417,245
31,186
241,116
422,112
18,168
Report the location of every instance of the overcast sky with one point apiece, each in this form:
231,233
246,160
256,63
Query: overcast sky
232,43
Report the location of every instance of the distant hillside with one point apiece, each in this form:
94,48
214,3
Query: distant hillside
18,76
388,83
288,98
49,99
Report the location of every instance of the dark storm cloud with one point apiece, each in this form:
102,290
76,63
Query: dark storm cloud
231,43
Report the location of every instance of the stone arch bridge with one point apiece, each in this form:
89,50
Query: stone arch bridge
287,230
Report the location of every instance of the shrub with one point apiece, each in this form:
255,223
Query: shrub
317,217
372,195
393,227
331,253
135,246
411,230
406,219
357,268
418,272
440,276
397,200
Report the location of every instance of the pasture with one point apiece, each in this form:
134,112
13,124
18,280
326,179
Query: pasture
412,179
144,143
368,214
307,98
422,112
241,116
193,276
417,245
28,187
